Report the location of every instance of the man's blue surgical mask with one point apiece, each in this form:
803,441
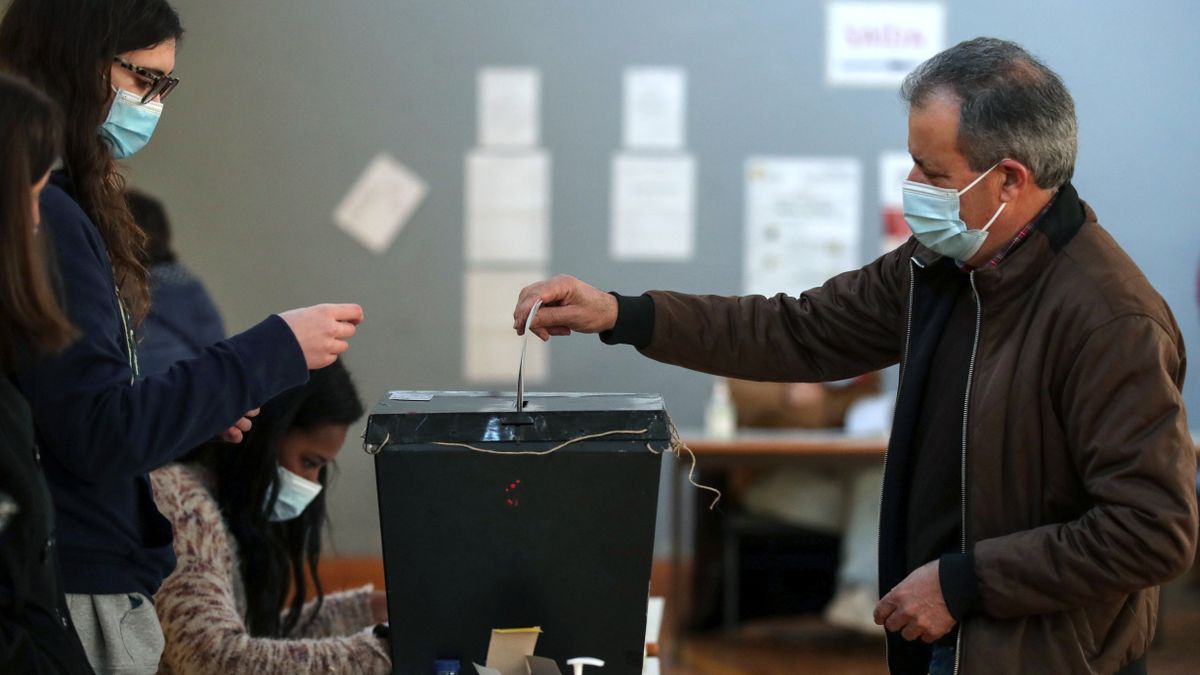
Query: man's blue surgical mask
932,215
295,494
130,123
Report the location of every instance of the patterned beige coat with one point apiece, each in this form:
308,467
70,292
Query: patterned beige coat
202,604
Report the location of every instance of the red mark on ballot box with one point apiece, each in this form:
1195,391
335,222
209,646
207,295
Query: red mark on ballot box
511,491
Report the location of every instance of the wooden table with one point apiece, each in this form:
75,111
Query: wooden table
751,449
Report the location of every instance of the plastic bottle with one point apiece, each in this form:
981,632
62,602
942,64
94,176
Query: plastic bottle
720,417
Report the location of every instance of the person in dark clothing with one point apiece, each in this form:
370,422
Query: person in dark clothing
36,634
101,426
183,319
1038,486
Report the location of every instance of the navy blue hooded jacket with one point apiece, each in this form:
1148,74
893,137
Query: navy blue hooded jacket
101,431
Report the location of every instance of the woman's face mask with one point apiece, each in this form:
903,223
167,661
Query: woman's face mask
932,214
295,494
130,123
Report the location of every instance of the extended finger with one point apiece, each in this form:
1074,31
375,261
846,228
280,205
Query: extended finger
232,435
348,312
253,413
243,424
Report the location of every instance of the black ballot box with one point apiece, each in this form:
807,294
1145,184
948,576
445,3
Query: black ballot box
493,518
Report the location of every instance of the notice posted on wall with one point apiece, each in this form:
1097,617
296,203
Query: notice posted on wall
894,168
653,207
507,206
509,112
380,203
655,108
491,348
802,222
875,44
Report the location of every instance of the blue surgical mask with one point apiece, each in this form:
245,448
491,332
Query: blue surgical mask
932,215
295,494
130,123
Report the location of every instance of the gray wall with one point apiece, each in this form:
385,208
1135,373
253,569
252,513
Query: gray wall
284,101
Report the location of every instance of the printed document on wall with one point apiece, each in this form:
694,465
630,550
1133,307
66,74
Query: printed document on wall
655,108
875,44
380,203
492,349
508,206
802,222
653,207
508,107
893,171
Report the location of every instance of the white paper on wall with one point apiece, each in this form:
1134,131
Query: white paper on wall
492,349
507,207
655,108
653,207
509,107
802,222
894,168
875,44
380,203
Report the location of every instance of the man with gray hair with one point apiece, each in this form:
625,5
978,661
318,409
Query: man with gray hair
1038,484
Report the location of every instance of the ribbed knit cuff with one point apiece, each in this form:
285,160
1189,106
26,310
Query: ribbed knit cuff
635,322
960,586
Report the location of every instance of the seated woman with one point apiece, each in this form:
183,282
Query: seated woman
247,524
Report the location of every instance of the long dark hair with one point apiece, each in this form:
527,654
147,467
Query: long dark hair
31,321
66,48
274,554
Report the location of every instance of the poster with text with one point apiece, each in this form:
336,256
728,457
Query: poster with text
875,44
802,222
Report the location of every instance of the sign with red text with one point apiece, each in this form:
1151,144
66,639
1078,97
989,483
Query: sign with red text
875,44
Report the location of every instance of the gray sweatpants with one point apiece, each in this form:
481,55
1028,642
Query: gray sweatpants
120,633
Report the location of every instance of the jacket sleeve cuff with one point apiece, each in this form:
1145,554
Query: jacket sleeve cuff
960,586
635,322
272,356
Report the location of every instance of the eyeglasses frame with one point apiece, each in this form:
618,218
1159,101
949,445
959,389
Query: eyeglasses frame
160,85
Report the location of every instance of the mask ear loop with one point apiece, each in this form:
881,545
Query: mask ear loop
994,216
1002,204
978,178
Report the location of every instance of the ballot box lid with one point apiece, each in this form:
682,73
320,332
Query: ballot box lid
406,418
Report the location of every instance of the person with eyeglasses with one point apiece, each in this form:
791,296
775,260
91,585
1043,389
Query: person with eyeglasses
36,635
102,427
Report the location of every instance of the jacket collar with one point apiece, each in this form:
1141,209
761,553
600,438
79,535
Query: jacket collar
1056,228
62,180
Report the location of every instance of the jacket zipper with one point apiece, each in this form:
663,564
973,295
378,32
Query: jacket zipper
963,479
912,272
130,339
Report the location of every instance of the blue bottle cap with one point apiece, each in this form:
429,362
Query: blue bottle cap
446,666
